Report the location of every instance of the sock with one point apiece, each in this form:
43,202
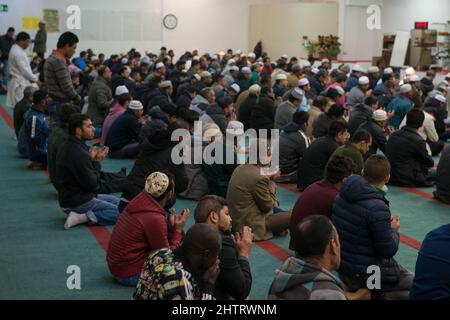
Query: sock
74,219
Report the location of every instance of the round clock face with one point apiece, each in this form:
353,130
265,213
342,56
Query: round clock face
170,21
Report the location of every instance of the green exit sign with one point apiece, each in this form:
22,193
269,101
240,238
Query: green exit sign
3,8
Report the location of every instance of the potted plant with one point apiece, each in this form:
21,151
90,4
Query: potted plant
330,46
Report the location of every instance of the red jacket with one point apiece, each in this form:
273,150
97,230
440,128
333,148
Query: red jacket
141,228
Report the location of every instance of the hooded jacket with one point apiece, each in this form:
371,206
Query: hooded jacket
199,104
293,143
362,218
299,280
215,114
245,110
155,155
142,227
263,114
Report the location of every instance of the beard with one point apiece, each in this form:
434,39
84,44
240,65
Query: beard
225,231
170,203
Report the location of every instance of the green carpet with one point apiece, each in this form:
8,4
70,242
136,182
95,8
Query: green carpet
35,250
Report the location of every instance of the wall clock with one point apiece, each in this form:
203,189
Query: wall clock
170,21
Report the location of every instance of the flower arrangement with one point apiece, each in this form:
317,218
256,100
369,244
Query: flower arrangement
324,47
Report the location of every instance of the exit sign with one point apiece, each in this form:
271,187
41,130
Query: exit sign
3,8
421,25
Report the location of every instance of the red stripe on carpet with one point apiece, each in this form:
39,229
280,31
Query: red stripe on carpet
102,235
273,249
6,117
403,238
422,194
410,241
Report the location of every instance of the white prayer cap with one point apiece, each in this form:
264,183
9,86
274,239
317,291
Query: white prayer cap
363,80
121,90
303,82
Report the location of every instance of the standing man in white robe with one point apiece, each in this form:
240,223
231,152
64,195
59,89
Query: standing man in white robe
20,73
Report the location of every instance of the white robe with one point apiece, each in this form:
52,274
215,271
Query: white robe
20,75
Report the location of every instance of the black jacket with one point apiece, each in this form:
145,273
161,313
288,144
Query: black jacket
426,85
292,147
312,166
360,114
161,100
216,114
408,155
56,139
245,110
155,155
263,114
379,137
235,278
77,177
316,86
362,218
124,130
184,100
218,175
443,177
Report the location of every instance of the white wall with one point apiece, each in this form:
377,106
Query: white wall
214,25
210,25
283,32
401,14
92,12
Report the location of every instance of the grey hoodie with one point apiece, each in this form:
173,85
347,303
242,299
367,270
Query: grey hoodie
299,280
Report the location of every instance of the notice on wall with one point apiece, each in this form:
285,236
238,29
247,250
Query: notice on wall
30,23
51,17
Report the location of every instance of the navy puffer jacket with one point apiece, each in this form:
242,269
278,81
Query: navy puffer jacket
363,220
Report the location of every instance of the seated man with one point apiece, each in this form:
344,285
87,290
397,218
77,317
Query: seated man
218,173
356,149
369,234
378,130
143,227
77,178
400,105
123,136
59,135
155,155
319,197
235,278
432,271
22,107
442,192
408,155
315,158
309,275
285,111
123,100
252,201
293,143
428,132
361,113
37,131
185,274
